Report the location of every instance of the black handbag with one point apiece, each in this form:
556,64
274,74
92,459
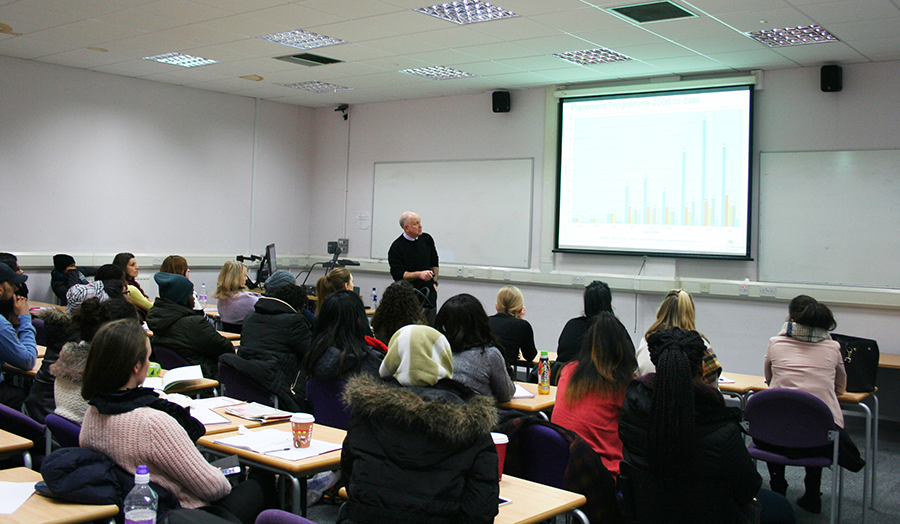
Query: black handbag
860,362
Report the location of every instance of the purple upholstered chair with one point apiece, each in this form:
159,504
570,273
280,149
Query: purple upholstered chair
552,448
167,358
277,516
325,396
237,386
21,424
40,334
790,418
62,430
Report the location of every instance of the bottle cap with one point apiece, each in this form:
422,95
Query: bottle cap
544,353
142,475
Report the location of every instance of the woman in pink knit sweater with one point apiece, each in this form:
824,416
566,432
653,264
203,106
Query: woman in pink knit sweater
133,426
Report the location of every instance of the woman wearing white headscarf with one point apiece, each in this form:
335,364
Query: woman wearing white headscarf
418,448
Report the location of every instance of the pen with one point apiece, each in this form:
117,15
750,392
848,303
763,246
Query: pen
275,450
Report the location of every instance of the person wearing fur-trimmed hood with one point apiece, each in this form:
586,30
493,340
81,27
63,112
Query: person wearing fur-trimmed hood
418,448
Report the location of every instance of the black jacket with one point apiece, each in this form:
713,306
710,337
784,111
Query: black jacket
513,334
187,332
419,455
571,339
330,366
722,481
274,340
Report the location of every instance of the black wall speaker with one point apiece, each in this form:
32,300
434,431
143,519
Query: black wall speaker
832,78
501,101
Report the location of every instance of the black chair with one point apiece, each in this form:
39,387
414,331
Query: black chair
167,358
239,387
325,396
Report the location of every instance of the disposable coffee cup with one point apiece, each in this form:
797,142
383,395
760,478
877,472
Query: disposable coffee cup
302,428
500,441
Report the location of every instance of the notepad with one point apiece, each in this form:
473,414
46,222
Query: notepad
208,417
522,392
262,441
256,411
725,380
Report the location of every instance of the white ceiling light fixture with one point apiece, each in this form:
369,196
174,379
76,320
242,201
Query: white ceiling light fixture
466,11
318,87
592,56
437,72
302,39
182,60
800,35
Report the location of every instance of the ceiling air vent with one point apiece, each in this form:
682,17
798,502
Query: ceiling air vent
652,12
308,59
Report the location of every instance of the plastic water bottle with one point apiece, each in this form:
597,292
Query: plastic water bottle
544,374
374,298
203,296
141,502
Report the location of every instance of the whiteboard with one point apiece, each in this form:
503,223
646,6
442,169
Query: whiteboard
478,211
830,218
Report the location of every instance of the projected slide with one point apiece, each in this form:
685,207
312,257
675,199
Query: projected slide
664,173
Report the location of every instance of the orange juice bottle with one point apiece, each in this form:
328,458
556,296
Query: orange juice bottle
544,374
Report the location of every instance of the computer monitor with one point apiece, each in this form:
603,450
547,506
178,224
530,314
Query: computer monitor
267,265
270,259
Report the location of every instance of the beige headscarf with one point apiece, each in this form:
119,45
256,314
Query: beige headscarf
418,356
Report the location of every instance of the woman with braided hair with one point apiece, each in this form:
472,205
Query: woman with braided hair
684,451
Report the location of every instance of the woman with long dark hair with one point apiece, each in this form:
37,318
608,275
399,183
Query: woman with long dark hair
128,263
591,390
597,298
477,362
803,356
340,347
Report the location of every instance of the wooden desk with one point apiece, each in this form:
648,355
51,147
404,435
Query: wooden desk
41,350
12,444
216,429
28,373
295,469
533,502
36,306
742,386
537,404
230,336
889,361
43,510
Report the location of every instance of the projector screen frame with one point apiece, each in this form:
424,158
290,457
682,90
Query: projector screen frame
651,91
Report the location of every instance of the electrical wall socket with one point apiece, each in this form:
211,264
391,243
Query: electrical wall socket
507,275
344,244
577,281
157,261
471,273
768,291
460,271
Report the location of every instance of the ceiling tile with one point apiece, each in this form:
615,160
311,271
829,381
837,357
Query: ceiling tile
585,19
513,28
762,58
25,47
294,16
497,51
352,31
240,6
352,9
818,54
835,12
613,38
396,63
654,51
402,45
747,21
538,63
457,36
445,57
183,11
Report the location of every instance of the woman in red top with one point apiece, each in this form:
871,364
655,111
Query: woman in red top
591,389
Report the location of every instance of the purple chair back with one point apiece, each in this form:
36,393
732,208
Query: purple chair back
63,431
40,334
789,418
546,455
21,424
325,396
237,386
277,516
167,358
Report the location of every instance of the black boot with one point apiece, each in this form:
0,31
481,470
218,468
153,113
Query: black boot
777,482
811,501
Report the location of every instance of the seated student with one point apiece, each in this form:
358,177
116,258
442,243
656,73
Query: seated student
178,326
803,356
66,274
235,301
13,262
109,282
512,332
597,298
68,370
591,390
274,342
399,307
17,345
340,347
677,311
282,278
418,448
178,265
686,448
337,279
129,265
476,360
133,426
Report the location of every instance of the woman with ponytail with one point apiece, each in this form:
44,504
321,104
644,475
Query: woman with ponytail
591,389
688,462
804,357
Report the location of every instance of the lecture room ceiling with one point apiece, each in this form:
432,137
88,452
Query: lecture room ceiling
382,37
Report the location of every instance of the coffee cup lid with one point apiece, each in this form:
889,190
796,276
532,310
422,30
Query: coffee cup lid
302,417
500,438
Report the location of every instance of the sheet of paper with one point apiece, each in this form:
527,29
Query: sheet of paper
725,380
208,416
316,447
214,402
13,495
522,392
261,441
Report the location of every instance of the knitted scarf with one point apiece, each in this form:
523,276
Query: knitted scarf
804,333
115,402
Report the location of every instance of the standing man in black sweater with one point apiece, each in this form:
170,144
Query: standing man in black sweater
413,258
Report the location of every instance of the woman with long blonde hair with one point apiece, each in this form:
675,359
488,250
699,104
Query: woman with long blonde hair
235,301
677,311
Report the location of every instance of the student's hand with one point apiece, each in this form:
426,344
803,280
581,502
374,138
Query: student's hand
20,305
71,267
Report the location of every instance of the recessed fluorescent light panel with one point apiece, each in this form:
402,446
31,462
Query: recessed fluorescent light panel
437,72
652,12
302,39
181,60
318,87
592,56
800,35
467,11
